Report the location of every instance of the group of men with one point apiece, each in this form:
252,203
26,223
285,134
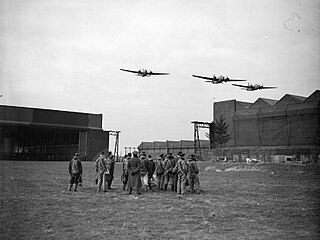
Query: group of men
178,172
140,170
104,166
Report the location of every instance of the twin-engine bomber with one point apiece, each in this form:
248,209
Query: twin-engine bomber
144,72
252,87
217,80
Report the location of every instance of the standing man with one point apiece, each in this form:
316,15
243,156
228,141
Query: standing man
125,173
174,176
160,173
110,165
75,171
143,169
182,170
151,167
102,171
193,175
134,179
167,170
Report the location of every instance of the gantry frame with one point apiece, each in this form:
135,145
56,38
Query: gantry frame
196,139
116,144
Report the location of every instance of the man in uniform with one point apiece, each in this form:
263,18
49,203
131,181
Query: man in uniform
134,179
151,167
143,169
160,173
102,171
193,175
167,170
125,173
110,166
75,171
174,176
182,170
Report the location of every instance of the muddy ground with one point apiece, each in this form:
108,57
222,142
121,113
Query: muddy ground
238,201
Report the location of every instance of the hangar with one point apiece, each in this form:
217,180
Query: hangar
44,134
268,128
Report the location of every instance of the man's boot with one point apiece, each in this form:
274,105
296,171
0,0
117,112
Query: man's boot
70,187
130,190
75,187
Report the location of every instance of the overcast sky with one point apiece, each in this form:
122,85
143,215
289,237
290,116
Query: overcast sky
66,55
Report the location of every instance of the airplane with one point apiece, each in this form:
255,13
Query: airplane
217,80
251,87
144,72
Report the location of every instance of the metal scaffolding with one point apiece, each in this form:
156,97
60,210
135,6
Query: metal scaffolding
196,139
116,144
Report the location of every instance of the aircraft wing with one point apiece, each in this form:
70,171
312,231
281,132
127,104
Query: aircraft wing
208,78
152,73
234,80
238,85
268,87
129,70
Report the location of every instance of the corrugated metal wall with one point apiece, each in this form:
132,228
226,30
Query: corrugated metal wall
289,125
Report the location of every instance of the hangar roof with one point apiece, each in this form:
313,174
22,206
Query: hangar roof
289,99
14,115
243,105
315,96
263,102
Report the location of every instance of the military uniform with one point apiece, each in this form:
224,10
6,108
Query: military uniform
134,179
143,169
110,165
125,174
167,171
182,170
102,171
75,171
193,175
174,174
160,173
151,167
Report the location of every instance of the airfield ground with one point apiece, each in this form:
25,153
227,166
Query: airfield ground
239,201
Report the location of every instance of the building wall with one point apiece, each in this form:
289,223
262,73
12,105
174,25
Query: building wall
95,121
62,118
291,126
246,132
11,114
158,147
44,134
294,124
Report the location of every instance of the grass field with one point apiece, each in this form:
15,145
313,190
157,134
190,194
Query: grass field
239,201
